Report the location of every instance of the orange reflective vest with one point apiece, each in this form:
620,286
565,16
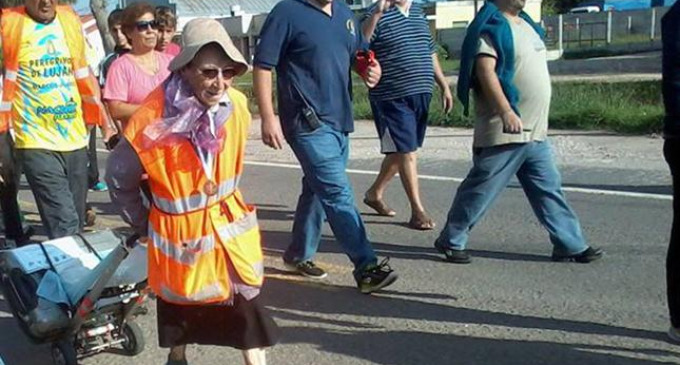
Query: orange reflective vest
12,25
196,237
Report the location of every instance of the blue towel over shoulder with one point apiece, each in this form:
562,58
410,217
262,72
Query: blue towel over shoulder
491,22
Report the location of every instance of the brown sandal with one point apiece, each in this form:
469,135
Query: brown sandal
421,223
380,207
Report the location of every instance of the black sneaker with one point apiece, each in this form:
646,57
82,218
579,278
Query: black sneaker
589,255
25,238
454,256
376,277
306,268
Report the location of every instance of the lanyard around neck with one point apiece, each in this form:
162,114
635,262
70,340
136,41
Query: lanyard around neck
207,158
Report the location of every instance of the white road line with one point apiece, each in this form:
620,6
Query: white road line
627,194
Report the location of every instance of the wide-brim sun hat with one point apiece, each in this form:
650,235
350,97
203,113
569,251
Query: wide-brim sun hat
200,32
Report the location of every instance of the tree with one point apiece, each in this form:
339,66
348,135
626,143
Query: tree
98,8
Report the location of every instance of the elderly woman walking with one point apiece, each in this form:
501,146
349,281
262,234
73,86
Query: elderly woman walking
205,259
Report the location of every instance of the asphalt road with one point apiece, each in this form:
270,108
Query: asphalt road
512,305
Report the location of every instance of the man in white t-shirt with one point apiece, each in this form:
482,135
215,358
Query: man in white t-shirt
512,92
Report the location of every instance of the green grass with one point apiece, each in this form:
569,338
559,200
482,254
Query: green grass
630,107
362,110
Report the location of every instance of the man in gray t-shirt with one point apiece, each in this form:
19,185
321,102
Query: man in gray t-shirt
531,79
510,139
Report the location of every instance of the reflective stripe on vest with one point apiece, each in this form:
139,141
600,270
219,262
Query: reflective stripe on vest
11,75
189,252
90,99
196,201
207,294
81,73
258,268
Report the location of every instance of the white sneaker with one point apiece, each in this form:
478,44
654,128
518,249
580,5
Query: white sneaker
674,334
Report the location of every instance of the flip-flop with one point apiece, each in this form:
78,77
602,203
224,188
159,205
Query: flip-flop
380,207
422,223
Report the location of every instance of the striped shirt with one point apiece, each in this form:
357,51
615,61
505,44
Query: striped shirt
404,46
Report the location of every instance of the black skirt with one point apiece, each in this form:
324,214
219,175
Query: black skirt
244,325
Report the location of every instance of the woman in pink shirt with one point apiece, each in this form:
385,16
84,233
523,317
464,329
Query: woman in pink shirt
134,75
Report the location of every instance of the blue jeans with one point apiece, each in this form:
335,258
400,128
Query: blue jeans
326,194
493,167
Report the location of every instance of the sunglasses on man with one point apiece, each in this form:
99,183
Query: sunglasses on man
143,25
212,73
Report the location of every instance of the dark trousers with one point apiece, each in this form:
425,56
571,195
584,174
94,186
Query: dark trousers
92,167
59,184
11,216
671,151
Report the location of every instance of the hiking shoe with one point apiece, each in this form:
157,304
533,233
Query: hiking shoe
589,255
674,334
453,256
306,268
376,277
99,187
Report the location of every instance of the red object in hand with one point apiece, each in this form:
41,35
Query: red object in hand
364,59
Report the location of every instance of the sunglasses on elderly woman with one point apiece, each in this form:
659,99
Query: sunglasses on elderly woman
143,25
212,73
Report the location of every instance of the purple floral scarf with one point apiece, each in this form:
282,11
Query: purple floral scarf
184,117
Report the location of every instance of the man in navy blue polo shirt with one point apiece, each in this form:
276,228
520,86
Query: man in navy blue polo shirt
400,37
312,45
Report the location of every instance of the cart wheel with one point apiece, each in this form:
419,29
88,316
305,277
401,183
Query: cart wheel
134,339
63,353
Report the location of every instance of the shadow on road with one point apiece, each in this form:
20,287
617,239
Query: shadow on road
278,241
290,301
338,320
